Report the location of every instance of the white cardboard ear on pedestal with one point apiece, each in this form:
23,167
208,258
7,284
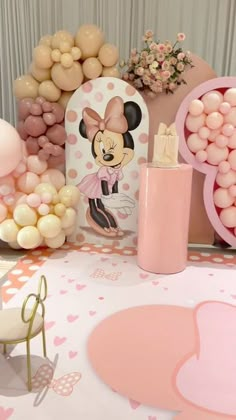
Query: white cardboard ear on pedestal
80,161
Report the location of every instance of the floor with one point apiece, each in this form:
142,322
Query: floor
89,285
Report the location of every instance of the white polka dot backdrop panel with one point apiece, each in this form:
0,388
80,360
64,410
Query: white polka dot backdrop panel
80,161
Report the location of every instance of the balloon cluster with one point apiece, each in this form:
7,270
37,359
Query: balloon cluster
62,62
41,126
36,207
211,124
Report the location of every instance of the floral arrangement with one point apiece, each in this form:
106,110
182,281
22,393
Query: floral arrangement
159,67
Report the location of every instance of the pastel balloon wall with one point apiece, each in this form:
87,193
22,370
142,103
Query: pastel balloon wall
206,123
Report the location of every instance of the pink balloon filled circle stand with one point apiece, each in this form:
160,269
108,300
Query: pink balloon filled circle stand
206,124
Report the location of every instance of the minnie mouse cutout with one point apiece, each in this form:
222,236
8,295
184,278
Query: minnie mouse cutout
112,147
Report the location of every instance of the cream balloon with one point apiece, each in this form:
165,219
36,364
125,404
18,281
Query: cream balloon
46,40
57,241
69,218
49,226
9,230
49,91
108,55
39,74
3,211
67,79
62,36
64,99
92,68
66,60
69,195
60,209
89,39
24,215
56,55
45,187
14,245
76,53
111,72
42,57
25,87
29,237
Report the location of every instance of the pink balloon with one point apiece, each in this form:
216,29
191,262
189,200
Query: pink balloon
36,109
42,140
57,150
196,107
32,145
225,180
28,182
56,161
57,134
232,140
221,141
224,108
228,217
193,124
48,147
195,143
49,118
231,116
232,159
201,156
230,96
224,167
47,106
227,129
40,100
215,155
204,132
212,101
35,126
232,191
33,200
43,155
10,147
24,106
21,130
58,111
213,134
222,198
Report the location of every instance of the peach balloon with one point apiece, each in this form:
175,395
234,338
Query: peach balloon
89,39
56,55
11,148
214,120
193,124
25,87
232,141
201,156
215,155
69,218
224,167
64,47
230,118
29,237
54,177
228,217
24,215
232,159
39,74
230,96
92,68
227,129
66,60
49,91
64,99
42,57
69,195
108,55
227,179
224,108
57,241
195,143
76,53
9,230
49,226
211,101
67,79
35,165
27,182
62,36
111,72
196,107
222,198
46,40
213,134
221,141
204,132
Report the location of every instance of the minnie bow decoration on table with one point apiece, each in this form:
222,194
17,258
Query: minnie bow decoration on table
166,144
100,273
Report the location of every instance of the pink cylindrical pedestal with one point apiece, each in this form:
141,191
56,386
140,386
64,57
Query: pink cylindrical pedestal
164,209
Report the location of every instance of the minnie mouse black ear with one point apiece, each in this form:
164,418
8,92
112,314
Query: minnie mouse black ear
133,114
82,129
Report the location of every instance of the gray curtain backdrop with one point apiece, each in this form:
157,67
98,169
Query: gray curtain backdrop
209,26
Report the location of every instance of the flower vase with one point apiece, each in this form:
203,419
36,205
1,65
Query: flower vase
163,108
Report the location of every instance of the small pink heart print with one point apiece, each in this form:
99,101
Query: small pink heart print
143,275
152,418
63,292
5,413
232,296
72,318
92,313
80,286
48,325
155,282
58,341
114,264
103,259
101,298
71,280
134,404
72,354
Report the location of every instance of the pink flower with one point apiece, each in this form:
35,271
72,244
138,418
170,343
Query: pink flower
148,36
181,56
153,46
172,86
180,66
146,80
173,61
149,59
169,48
135,59
144,54
165,74
126,76
133,51
161,48
160,56
165,65
139,71
180,37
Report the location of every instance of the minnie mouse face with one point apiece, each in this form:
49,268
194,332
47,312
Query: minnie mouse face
110,149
